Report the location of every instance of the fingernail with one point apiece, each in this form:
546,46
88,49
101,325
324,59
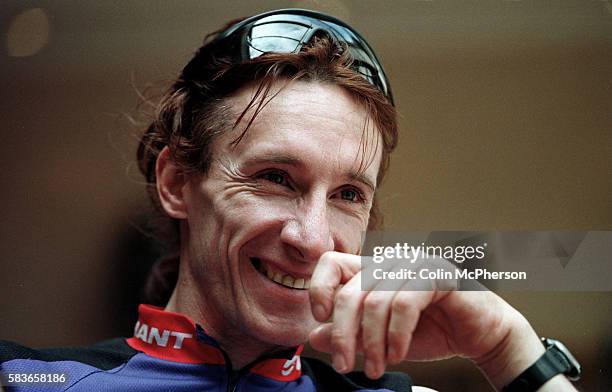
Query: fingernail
319,312
339,363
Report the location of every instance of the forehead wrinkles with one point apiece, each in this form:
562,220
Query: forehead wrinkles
251,105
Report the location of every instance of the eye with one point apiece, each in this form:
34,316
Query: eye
352,195
276,177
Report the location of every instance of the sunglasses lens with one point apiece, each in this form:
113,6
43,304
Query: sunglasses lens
277,37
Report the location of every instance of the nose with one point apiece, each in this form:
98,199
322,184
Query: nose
308,233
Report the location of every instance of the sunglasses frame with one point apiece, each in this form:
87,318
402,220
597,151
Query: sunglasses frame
340,32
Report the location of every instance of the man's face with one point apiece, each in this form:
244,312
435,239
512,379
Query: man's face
270,206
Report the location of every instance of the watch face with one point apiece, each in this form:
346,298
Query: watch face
575,370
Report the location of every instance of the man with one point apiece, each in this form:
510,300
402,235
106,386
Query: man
266,154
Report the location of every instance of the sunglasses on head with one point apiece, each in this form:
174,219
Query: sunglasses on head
288,30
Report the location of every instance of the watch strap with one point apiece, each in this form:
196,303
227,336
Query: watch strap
551,363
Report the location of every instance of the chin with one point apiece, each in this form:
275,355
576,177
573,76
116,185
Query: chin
284,332
286,338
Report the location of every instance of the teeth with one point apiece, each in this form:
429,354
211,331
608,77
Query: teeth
278,278
288,280
284,279
298,283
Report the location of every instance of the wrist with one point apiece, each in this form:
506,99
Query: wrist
518,350
550,372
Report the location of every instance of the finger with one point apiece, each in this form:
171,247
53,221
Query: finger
374,331
346,324
320,339
332,270
406,309
375,320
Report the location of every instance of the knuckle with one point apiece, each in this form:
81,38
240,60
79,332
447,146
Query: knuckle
315,289
373,303
371,342
339,339
373,352
401,304
320,291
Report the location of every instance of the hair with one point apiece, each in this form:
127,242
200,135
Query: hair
194,111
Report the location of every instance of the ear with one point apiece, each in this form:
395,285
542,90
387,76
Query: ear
170,185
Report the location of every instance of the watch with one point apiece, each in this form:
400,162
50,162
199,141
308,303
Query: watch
557,359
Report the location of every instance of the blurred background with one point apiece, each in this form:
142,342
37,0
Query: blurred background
505,116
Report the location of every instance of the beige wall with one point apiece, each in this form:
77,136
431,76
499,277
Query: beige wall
505,112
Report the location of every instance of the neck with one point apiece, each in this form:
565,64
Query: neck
239,347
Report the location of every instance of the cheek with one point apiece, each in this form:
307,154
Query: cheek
349,229
246,216
249,207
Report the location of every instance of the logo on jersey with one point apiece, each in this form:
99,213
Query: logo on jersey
150,334
291,364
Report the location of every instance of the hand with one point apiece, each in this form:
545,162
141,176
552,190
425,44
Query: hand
390,326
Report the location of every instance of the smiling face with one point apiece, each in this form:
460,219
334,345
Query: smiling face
257,222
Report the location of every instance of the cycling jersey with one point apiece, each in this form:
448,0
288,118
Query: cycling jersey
170,352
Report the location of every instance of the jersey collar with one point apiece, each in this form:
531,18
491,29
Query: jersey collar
175,337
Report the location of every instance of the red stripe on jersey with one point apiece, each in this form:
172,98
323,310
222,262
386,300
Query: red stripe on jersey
171,336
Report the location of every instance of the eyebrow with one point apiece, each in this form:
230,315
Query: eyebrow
299,163
275,158
360,177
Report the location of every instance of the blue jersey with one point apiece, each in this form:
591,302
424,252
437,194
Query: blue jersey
169,352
